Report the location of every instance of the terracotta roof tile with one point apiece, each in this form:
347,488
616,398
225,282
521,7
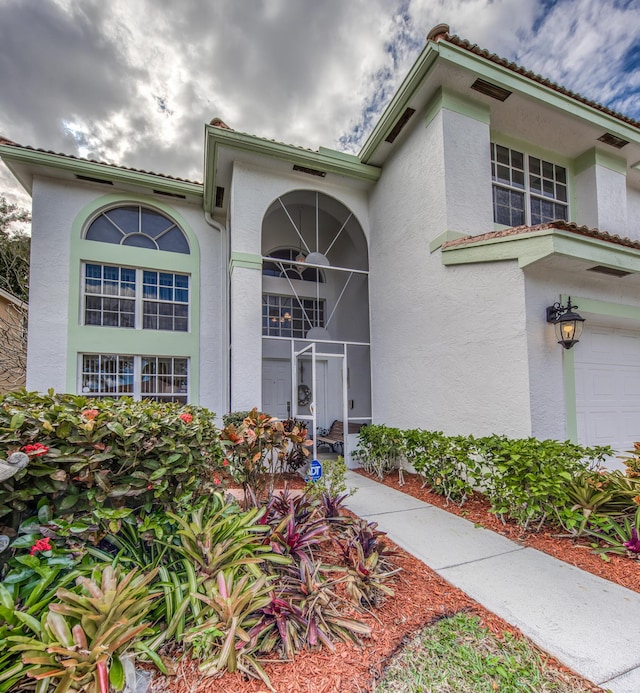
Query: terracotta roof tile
560,225
514,67
9,143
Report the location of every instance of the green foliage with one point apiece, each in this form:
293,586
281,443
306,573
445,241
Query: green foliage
595,498
87,631
332,483
218,537
528,479
367,563
222,640
257,447
458,654
447,464
379,448
100,459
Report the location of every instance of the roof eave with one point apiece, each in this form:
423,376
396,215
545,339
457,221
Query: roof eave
17,156
401,98
527,248
217,138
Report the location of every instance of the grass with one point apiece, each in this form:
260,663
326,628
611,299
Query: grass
458,655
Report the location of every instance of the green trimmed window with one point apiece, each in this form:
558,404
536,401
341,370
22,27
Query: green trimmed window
527,189
160,378
135,298
138,227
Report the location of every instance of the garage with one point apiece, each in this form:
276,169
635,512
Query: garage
607,371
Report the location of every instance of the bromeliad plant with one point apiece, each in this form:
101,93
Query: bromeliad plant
621,538
79,643
222,639
368,568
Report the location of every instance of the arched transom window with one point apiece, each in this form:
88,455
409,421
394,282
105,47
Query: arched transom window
139,227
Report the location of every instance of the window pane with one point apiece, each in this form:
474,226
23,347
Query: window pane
535,183
561,174
139,240
153,223
174,241
138,227
104,231
561,192
547,169
502,155
126,218
517,159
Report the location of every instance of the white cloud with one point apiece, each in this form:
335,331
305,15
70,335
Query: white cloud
134,81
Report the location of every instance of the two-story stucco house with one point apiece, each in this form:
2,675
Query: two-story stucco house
407,285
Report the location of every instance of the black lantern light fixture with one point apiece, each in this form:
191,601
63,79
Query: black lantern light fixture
566,323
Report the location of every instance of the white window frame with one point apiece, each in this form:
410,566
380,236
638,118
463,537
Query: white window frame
319,304
137,390
526,189
138,298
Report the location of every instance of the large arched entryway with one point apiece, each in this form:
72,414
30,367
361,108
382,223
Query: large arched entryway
315,313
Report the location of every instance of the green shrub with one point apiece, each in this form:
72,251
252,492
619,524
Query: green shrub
528,480
93,459
379,448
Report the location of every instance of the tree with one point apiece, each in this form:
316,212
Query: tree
15,246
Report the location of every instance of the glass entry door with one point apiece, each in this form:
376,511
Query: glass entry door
320,387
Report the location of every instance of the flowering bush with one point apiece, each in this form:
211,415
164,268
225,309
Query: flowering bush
101,459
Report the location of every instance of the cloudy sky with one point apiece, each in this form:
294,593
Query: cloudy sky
132,82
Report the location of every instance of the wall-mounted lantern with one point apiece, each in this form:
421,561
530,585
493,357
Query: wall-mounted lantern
566,323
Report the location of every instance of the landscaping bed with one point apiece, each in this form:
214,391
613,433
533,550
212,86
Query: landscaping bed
421,598
575,551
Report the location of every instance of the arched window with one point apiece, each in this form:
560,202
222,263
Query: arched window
285,269
140,227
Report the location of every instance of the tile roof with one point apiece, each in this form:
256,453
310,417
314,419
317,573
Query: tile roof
559,225
443,34
9,143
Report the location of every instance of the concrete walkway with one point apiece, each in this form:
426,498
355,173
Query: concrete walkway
591,625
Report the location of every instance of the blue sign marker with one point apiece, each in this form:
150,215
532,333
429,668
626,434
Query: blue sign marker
315,472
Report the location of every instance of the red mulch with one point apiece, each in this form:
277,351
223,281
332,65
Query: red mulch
421,597
619,569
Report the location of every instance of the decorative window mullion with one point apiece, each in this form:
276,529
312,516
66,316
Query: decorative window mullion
139,298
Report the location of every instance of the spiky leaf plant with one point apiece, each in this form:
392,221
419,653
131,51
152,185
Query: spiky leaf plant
87,631
222,641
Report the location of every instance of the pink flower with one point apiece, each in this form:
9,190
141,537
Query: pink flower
225,463
150,487
186,417
216,481
90,414
41,545
37,449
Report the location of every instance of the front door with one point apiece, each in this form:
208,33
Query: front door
276,388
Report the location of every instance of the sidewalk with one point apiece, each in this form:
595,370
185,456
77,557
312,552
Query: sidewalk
591,625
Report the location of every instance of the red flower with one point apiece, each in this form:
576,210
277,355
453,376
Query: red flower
225,463
150,487
37,449
216,481
41,545
187,418
90,414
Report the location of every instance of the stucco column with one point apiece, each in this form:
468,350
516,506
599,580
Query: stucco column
601,192
246,331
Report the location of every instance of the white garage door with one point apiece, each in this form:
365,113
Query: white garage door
607,365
